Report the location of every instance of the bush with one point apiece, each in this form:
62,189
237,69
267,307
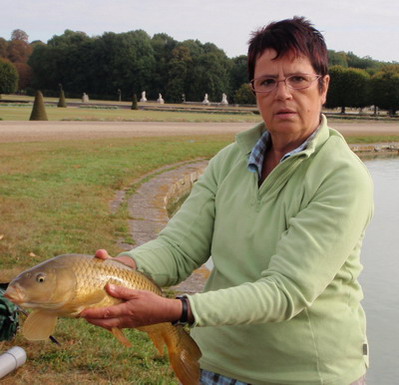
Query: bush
38,110
245,95
8,77
134,102
62,101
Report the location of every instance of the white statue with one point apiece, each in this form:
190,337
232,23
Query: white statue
206,101
143,97
85,98
224,99
160,100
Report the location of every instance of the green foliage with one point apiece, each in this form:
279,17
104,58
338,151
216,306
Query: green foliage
385,88
245,95
349,87
238,73
349,59
133,61
337,58
38,110
8,77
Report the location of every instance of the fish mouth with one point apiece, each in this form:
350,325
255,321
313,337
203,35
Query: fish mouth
14,294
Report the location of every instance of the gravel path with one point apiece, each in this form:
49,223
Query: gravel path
21,131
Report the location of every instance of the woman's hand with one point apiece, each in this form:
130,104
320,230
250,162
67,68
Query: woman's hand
103,254
139,308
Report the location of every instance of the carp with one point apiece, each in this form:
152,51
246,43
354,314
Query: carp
65,285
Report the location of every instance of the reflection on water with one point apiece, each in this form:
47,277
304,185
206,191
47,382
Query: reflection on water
380,258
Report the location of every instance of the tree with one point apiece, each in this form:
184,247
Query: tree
163,46
245,95
8,77
19,34
349,87
25,74
337,58
124,61
207,72
362,63
3,47
18,51
385,89
238,74
68,38
178,68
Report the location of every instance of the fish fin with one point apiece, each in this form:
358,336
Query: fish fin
118,333
158,341
39,325
184,354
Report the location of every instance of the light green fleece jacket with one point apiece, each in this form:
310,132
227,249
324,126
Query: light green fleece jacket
282,305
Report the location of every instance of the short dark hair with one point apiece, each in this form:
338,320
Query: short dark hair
296,35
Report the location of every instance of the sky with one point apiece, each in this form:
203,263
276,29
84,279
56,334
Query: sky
364,27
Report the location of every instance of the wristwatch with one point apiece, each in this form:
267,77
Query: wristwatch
183,320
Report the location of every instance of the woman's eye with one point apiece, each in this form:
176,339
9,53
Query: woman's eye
298,79
40,278
268,82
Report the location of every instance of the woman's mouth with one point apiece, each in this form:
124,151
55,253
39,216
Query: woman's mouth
285,113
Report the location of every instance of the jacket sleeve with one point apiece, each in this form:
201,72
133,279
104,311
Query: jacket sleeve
330,228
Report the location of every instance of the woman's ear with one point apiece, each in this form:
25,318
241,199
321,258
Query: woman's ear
326,83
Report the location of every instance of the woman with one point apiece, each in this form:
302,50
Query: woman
283,212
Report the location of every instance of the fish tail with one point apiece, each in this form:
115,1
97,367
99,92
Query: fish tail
183,355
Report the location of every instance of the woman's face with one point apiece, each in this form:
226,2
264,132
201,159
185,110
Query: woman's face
291,114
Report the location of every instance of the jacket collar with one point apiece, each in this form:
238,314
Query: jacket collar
246,140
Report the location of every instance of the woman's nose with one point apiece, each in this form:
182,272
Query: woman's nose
283,91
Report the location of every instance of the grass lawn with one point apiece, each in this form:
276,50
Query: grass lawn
54,199
120,111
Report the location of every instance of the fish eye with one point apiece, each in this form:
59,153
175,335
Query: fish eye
40,278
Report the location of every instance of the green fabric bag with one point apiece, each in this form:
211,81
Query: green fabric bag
9,319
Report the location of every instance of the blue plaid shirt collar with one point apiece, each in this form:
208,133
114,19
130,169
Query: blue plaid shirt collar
255,161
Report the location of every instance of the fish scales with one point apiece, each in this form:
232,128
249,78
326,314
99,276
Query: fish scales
65,285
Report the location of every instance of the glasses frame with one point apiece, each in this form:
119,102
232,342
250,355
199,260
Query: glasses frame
316,77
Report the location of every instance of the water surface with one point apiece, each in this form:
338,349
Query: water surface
380,257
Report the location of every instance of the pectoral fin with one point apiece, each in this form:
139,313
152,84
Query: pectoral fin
39,325
121,337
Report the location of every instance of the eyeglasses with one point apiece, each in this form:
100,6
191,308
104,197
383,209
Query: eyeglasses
265,84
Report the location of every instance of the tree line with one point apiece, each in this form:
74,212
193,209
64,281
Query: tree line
128,63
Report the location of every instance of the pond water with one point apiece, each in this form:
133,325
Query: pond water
380,258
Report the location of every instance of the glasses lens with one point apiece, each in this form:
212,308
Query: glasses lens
299,82
295,82
264,84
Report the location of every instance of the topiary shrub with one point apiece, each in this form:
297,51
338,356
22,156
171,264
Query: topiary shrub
38,110
134,102
62,101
